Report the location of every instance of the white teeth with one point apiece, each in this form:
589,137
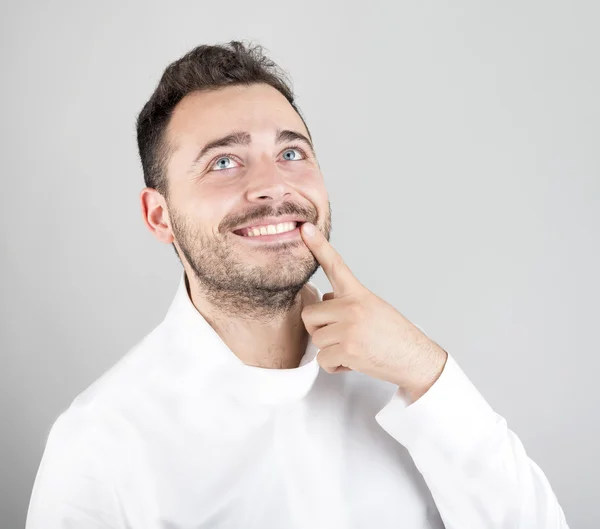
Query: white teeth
271,229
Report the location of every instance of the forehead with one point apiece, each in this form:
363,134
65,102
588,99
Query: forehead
202,116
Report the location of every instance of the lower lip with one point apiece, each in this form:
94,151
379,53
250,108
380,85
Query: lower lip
274,237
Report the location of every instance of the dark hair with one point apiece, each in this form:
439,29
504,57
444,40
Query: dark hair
203,68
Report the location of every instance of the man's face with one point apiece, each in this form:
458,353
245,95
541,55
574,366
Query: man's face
269,176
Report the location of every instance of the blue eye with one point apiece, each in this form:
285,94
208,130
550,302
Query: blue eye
294,158
225,162
221,163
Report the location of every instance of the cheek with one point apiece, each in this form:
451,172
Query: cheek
313,188
200,214
216,206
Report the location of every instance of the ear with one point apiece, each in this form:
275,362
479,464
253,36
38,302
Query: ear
155,214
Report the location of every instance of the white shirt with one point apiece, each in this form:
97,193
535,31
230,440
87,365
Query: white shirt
181,434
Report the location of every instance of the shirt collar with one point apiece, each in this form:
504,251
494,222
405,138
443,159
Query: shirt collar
203,357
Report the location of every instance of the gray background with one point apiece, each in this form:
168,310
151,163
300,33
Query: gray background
459,143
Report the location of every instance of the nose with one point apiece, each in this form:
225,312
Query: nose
267,183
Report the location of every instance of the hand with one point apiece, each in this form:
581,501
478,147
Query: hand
357,330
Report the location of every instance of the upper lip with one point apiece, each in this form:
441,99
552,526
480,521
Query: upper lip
270,220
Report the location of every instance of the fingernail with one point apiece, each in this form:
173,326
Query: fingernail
309,228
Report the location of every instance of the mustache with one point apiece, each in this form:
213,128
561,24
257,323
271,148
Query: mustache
287,208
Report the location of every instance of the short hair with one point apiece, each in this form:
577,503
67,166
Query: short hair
201,69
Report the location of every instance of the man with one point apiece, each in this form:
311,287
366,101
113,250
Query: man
258,402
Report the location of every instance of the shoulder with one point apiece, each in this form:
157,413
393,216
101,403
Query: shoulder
132,372
99,412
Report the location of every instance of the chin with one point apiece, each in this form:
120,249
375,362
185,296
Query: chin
290,277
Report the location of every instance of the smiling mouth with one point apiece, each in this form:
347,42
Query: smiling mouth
283,231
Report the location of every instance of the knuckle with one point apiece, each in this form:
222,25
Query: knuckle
356,309
352,349
337,263
317,337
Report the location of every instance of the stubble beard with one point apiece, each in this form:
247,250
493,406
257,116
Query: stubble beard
237,288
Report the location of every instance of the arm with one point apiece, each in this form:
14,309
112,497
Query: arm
475,467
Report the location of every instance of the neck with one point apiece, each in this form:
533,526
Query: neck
273,339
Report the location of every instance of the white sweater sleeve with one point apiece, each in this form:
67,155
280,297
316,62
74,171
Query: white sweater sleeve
71,490
476,468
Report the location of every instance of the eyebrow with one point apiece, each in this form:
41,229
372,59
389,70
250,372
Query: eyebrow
244,138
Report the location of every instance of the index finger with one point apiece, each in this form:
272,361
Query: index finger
340,276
